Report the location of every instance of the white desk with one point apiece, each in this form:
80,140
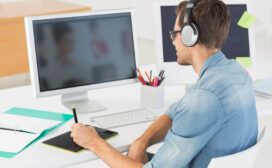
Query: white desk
117,99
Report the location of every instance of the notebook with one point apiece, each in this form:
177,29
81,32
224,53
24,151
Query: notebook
24,119
12,140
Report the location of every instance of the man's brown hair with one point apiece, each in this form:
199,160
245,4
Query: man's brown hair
212,19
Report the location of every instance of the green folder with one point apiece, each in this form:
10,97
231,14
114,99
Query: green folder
36,114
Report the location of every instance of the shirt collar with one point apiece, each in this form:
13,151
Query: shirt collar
212,60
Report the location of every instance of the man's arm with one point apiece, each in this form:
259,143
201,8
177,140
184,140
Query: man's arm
88,138
155,133
197,120
112,157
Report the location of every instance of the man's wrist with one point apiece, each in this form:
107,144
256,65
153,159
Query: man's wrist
94,144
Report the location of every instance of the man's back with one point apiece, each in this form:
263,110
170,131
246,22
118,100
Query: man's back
216,117
233,87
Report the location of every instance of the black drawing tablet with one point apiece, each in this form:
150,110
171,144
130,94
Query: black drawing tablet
64,141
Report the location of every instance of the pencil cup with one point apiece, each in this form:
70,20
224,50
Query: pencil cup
152,97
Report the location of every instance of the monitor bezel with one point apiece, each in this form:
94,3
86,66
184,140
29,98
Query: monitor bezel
186,74
33,61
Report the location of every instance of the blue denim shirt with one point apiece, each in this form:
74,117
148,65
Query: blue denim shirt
216,117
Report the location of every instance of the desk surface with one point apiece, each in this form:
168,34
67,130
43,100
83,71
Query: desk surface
119,98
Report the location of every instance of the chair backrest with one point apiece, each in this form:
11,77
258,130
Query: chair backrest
243,159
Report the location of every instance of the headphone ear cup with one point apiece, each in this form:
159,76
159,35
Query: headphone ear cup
189,35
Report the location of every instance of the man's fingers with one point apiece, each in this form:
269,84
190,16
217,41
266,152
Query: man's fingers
73,126
76,125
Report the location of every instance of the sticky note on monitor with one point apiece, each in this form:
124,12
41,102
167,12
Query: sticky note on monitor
246,20
244,61
247,63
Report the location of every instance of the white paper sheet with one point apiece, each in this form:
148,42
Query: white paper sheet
11,141
14,141
36,125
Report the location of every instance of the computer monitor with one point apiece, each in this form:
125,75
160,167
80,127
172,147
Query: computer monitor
240,41
70,54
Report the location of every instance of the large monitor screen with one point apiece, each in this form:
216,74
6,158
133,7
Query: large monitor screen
236,45
78,51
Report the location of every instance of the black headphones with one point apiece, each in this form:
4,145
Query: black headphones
189,31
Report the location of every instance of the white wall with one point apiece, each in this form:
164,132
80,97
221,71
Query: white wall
144,12
262,9
145,19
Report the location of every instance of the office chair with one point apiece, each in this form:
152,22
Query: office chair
243,159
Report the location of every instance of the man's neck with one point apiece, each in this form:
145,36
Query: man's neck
200,55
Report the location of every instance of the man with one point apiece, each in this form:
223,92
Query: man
216,117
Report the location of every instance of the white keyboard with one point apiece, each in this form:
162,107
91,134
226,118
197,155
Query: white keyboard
124,118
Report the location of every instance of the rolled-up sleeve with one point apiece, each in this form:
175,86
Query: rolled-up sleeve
195,121
171,111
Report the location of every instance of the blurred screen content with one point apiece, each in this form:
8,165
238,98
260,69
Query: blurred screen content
84,50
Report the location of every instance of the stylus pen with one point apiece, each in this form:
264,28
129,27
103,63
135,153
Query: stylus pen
75,115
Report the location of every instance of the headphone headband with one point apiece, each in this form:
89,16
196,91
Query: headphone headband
188,11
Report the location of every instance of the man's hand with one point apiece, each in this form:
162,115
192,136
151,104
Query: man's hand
84,136
137,150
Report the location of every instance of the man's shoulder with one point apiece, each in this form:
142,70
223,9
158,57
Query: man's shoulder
223,77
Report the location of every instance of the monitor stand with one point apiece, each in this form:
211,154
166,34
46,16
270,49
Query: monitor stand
81,102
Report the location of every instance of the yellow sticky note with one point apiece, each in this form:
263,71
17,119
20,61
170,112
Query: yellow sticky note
246,20
244,61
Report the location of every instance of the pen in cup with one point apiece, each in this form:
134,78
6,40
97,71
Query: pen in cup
151,80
